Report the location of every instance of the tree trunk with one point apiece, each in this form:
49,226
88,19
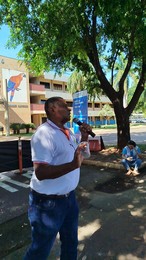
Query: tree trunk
123,132
122,121
27,130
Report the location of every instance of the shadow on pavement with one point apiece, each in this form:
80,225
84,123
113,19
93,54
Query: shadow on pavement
112,219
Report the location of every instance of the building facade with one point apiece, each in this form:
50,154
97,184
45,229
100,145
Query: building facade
22,95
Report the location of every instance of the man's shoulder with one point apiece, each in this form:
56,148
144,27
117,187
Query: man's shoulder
41,130
124,149
138,148
42,126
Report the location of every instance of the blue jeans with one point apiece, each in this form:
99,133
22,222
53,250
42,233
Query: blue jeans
135,164
48,217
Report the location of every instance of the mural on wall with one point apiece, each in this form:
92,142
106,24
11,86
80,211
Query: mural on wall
16,85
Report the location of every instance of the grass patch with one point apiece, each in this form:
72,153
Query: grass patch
22,135
106,127
142,147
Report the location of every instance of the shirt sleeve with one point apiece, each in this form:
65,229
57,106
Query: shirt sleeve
138,149
124,151
42,149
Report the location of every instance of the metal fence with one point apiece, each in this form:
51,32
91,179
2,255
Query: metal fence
9,155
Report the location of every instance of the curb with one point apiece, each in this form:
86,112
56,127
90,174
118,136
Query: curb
103,164
109,165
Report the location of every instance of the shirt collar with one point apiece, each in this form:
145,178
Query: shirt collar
65,130
52,124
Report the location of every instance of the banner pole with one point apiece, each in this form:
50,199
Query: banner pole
20,154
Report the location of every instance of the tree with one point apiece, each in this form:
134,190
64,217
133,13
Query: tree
106,112
78,34
78,81
119,68
141,105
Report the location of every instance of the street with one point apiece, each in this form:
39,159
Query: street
138,134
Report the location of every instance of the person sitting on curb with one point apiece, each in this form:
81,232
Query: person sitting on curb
132,158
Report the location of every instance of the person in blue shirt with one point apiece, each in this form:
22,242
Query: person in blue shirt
131,158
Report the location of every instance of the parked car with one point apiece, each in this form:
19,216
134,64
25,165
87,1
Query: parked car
141,121
133,121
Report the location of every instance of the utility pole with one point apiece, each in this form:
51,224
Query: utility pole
6,105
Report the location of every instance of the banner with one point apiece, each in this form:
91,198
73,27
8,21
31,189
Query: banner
80,108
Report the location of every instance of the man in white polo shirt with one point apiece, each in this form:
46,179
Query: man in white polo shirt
52,204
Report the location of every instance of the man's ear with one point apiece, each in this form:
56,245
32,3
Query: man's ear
52,108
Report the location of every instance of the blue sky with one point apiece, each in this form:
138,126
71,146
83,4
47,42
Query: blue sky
10,53
4,35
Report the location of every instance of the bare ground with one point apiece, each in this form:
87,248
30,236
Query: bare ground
111,154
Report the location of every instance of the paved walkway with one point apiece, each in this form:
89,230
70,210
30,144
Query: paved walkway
111,224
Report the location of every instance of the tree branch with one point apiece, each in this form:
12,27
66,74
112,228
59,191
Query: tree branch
94,59
139,89
125,73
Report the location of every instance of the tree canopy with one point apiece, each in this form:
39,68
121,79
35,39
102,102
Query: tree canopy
78,82
87,35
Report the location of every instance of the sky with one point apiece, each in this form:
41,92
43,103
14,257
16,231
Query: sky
4,51
10,53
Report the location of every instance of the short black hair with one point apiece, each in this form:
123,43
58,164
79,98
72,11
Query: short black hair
130,142
50,101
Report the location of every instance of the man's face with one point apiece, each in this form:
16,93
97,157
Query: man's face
131,146
61,111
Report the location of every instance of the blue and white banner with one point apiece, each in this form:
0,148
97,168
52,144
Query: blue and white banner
80,108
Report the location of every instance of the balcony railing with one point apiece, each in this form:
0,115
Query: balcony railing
37,107
36,87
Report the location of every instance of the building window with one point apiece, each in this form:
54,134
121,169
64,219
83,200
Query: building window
97,118
46,84
57,86
42,101
44,119
90,105
69,104
97,105
66,88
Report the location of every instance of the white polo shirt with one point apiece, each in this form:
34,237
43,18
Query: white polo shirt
50,145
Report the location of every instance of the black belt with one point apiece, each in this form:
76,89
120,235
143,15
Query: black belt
51,196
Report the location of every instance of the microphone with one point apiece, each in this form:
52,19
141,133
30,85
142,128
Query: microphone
78,122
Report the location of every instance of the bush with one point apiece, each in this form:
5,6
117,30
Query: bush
17,126
28,127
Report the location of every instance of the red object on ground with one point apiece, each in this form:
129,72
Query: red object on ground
94,145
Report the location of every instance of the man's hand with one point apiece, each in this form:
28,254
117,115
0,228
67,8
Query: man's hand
129,158
84,129
78,157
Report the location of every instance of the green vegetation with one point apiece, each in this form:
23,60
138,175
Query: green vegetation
107,126
142,147
17,127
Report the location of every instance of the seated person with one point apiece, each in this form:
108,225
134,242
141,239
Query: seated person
132,158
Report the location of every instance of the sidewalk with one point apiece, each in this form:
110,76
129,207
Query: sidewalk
112,219
112,223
